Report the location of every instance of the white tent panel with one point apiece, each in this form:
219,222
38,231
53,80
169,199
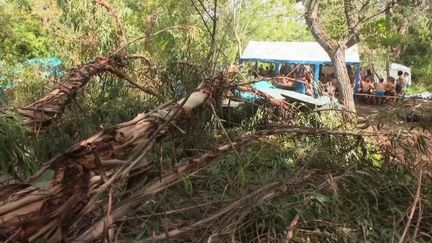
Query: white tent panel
302,52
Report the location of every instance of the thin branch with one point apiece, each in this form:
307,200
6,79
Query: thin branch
202,17
224,131
205,9
354,31
114,15
129,80
413,207
147,36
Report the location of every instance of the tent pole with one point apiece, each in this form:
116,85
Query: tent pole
276,71
357,79
316,77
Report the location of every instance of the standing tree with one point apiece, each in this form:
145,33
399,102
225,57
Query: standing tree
357,13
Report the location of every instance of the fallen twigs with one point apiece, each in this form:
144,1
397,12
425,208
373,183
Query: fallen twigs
238,210
190,167
241,206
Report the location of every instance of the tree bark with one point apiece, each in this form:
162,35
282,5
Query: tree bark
342,77
44,111
335,50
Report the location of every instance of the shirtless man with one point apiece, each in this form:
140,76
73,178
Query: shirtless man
390,86
380,86
367,87
380,91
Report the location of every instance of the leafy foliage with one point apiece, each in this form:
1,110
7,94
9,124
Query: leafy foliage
16,154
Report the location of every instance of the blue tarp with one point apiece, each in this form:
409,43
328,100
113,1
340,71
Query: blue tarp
49,66
282,94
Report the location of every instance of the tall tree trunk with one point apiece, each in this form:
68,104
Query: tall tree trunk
335,50
343,81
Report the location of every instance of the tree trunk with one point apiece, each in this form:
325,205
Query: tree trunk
42,112
343,81
239,45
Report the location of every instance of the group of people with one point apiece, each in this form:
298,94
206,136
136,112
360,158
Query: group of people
300,79
392,87
269,70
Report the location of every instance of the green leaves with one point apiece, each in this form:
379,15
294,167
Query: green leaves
16,157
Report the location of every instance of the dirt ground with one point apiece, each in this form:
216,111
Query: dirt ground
395,118
422,108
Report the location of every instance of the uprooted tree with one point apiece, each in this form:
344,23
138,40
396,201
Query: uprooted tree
44,111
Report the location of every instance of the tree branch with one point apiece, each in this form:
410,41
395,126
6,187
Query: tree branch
202,17
317,29
114,15
354,30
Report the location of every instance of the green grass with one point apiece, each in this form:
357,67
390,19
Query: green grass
418,88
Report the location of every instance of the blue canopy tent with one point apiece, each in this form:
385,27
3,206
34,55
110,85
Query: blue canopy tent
310,53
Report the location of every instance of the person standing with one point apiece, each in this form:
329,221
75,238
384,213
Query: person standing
407,82
400,83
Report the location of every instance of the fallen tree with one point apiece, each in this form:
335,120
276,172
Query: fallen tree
93,168
88,169
100,162
42,112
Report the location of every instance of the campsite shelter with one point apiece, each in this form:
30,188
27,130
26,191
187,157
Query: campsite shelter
310,53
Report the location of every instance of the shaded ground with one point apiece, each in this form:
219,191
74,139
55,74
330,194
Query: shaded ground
423,109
